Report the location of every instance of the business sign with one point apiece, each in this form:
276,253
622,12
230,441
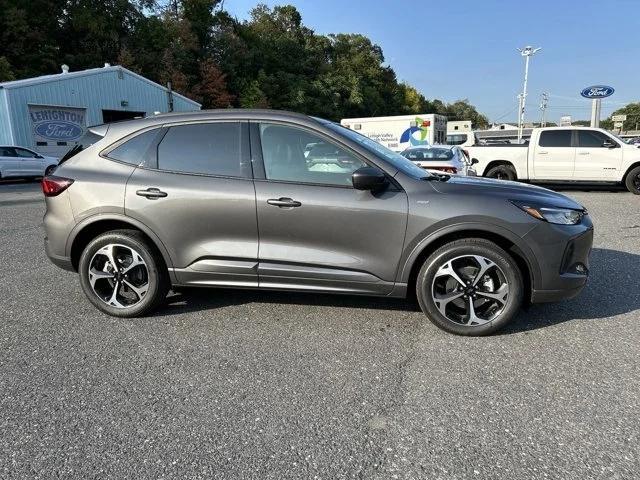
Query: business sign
56,124
597,91
619,118
565,121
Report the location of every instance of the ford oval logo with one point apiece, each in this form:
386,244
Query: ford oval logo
59,130
597,91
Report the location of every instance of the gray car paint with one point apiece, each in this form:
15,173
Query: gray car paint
220,231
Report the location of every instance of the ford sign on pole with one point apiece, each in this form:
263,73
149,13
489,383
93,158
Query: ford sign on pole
597,91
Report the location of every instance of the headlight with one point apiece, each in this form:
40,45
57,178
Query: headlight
557,215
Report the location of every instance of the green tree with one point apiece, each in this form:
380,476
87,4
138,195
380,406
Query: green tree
632,111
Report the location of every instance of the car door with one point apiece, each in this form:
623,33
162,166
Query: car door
9,162
316,231
598,157
31,163
554,155
195,192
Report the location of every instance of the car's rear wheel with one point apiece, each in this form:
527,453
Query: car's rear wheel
502,172
122,275
632,181
470,287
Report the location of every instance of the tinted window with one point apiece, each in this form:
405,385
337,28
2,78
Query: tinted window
588,138
555,138
7,152
21,152
295,155
134,150
206,148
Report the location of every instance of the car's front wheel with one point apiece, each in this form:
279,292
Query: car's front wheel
502,172
470,287
122,275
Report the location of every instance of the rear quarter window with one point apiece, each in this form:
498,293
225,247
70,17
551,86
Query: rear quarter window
135,150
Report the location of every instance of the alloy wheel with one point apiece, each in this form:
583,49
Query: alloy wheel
470,290
118,275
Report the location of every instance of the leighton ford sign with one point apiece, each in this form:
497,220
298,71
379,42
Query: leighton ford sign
57,124
597,91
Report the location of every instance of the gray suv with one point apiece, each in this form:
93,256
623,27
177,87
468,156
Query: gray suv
277,200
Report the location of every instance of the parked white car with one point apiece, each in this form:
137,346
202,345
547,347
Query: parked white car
563,154
22,162
444,158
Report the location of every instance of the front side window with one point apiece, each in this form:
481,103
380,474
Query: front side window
203,148
592,139
555,138
21,152
296,155
134,150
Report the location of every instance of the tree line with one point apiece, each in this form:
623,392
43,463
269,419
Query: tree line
271,60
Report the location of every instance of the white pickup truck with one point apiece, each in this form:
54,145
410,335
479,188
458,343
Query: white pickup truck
563,154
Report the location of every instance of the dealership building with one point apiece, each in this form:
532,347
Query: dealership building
51,113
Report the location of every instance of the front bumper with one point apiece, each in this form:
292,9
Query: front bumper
562,253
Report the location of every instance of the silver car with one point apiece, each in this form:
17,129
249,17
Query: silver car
276,200
443,158
23,162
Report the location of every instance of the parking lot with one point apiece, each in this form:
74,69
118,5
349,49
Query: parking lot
243,384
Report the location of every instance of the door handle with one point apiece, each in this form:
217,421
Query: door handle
542,153
283,202
151,193
583,153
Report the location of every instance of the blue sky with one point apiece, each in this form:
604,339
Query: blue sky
467,49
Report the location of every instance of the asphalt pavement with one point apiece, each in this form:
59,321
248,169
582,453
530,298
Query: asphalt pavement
241,385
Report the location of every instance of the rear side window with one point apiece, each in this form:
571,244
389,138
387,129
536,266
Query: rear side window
555,138
204,148
134,150
588,138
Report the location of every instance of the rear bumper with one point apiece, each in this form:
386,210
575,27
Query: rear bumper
562,253
57,260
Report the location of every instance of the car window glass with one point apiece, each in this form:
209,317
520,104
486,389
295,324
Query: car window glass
555,138
7,152
204,148
295,155
589,138
21,152
134,150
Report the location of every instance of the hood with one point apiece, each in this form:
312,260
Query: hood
509,190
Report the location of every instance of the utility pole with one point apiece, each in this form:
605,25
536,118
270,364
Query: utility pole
527,52
543,107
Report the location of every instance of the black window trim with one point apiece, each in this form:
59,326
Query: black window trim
257,159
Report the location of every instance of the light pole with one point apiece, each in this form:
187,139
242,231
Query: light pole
527,52
543,107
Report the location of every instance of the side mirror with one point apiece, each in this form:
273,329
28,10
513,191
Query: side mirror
369,178
474,161
610,144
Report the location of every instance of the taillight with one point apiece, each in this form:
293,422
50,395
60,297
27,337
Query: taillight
52,185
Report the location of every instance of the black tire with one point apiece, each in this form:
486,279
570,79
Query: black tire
49,170
507,270
502,172
157,277
632,180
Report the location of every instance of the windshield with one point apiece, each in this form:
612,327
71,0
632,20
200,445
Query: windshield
398,161
428,154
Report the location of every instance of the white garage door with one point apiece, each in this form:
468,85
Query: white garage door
56,129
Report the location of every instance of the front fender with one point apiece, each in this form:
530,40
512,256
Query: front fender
439,231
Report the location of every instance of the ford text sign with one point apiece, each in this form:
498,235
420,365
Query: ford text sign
59,130
597,91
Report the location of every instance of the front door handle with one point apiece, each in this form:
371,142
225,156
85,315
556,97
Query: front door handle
542,153
151,193
283,202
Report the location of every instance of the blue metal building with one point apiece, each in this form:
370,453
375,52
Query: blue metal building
51,113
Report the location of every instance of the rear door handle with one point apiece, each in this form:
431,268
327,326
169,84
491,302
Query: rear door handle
151,193
283,202
542,153
583,153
